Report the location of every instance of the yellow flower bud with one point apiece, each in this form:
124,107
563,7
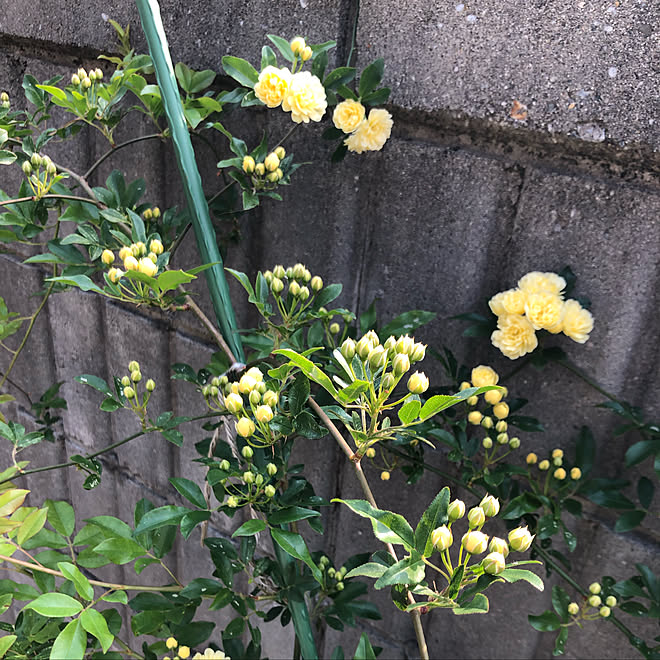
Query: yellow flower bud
156,212
604,611
86,83
348,349
494,563
269,491
304,293
125,381
475,542
298,272
334,328
270,398
271,162
370,453
499,545
487,422
27,168
557,453
573,608
472,401
400,364
247,452
259,169
532,458
232,501
277,286
316,284
464,386
560,474
92,75
418,383
279,152
171,643
156,246
501,410
99,74
385,475
148,214
298,45
115,274
183,652
576,473
234,403
476,517
611,601
255,397
129,392
456,510
493,396
306,54
279,271
148,267
136,376
514,443
594,588
475,417
246,384
248,164
594,601
225,465
294,289
490,506
248,477
75,79
131,263
544,465
487,443
125,252
502,438
419,352
442,538
263,414
501,426
271,468
520,539
405,344
245,427
377,357
150,385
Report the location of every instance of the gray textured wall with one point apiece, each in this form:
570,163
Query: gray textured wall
462,201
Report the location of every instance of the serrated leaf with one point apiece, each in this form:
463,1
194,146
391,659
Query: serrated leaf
409,412
408,571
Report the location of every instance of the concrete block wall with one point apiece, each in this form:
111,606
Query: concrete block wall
468,195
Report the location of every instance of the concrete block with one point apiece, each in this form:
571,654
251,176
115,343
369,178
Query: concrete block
582,70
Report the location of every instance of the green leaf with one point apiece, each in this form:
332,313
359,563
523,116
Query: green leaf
116,597
640,450
156,518
171,279
250,528
371,77
435,516
55,605
370,569
294,545
190,490
95,382
298,394
240,70
340,76
94,623
120,550
283,46
545,622
585,450
6,643
478,605
291,514
81,281
517,574
388,527
645,490
71,643
268,57
455,584
243,279
31,525
629,520
410,570
560,642
409,412
353,391
309,369
7,157
364,650
326,295
407,323
61,515
191,520
80,582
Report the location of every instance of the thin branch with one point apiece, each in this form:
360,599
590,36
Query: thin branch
107,154
82,182
222,190
34,198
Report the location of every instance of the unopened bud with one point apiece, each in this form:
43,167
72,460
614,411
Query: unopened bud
234,403
156,212
134,365
259,479
487,422
385,475
247,452
156,246
604,611
36,159
264,414
501,426
472,401
246,384
531,458
557,453
573,608
405,344
271,162
576,473
493,563
224,465
277,286
501,410
557,461
270,398
82,73
316,284
475,417
419,352
594,588
304,293
294,289
92,75
520,539
306,54
248,477
99,74
129,392
544,465
493,396
442,538
560,474
271,468
377,358
269,491
125,381
259,169
279,152
464,386
418,383
514,443
27,168
476,517
594,601
245,427
502,438
334,328
400,364
279,271
248,164
299,271
499,545
255,398
490,506
298,45
611,601
387,382
86,83
456,510
232,501
136,376
475,542
487,443
370,453
348,349
75,79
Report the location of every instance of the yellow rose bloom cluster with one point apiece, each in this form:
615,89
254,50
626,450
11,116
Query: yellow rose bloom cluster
536,304
371,133
302,93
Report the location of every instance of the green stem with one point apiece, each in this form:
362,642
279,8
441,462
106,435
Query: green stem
34,198
354,35
580,374
117,147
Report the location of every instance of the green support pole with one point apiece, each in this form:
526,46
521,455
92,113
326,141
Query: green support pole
190,177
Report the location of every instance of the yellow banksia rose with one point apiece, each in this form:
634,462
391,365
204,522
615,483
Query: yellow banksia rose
131,263
171,643
536,282
297,45
514,336
501,410
245,427
210,654
482,376
372,133
148,267
348,115
272,85
576,473
156,246
493,396
305,98
107,257
125,252
115,274
183,652
545,311
577,322
508,302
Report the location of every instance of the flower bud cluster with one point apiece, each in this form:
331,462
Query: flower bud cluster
84,80
41,173
135,257
266,173
595,606
250,401
248,484
131,388
554,464
332,578
475,542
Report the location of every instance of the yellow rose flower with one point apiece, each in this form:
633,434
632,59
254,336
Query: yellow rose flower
544,311
577,322
515,336
348,115
272,85
483,375
508,302
372,133
536,282
304,98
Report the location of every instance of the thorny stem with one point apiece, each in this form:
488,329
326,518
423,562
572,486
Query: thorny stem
98,583
116,148
25,473
362,479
